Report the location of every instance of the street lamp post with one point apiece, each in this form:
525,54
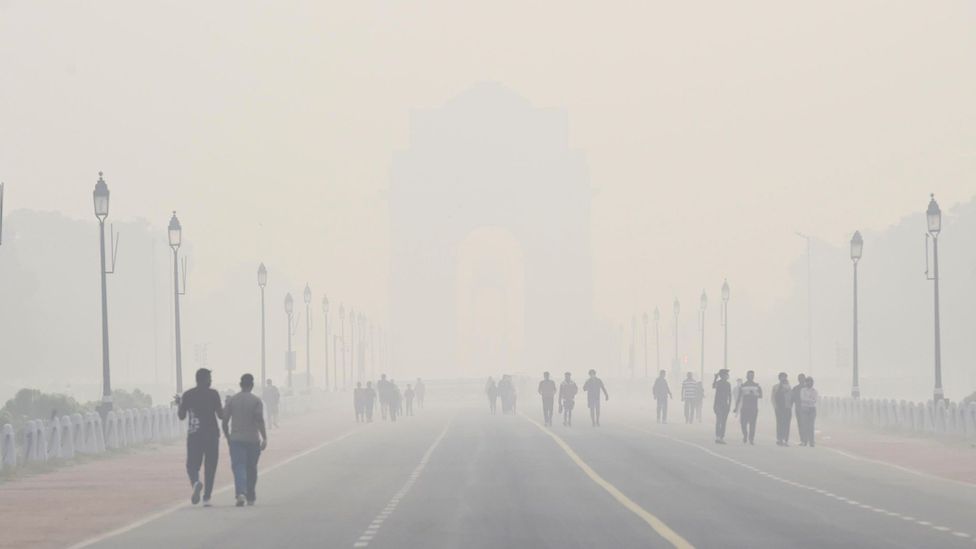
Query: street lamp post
657,336
262,282
100,198
704,305
725,324
352,344
644,319
325,314
857,246
933,216
308,338
175,240
342,339
677,361
289,359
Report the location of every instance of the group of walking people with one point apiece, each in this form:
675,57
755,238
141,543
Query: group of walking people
505,391
567,392
392,401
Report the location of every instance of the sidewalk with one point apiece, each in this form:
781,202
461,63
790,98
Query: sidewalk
69,505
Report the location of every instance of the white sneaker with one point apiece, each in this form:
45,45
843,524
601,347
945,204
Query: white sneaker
197,488
240,500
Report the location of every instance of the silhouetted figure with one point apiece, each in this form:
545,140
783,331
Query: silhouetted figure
358,402
593,386
547,389
737,389
747,406
200,407
689,392
244,429
783,407
699,399
809,398
801,381
491,390
662,392
506,392
394,400
369,404
722,404
272,398
408,397
420,389
383,390
567,399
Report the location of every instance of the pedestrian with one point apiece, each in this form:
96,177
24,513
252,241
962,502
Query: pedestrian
244,429
782,406
358,403
420,389
272,397
492,391
506,392
662,392
567,399
201,408
689,392
408,396
383,389
369,403
723,403
547,389
801,381
394,397
747,406
808,409
593,387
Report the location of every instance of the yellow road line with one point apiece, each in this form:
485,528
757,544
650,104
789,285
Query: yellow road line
657,524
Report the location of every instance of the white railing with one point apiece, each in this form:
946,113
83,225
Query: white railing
955,419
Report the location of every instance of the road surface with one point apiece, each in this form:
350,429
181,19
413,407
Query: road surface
454,476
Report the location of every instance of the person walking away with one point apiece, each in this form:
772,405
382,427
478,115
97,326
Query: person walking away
369,401
783,407
722,404
547,389
272,397
420,389
688,395
747,406
244,428
492,391
661,392
394,400
801,381
408,395
809,398
357,402
567,399
593,387
201,408
383,388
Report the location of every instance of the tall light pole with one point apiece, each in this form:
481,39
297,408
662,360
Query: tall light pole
175,240
725,323
644,319
857,246
933,217
352,345
325,314
100,198
308,338
809,303
342,339
262,282
657,336
704,305
677,361
290,357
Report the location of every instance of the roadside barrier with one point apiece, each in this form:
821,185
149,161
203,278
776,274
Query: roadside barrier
952,419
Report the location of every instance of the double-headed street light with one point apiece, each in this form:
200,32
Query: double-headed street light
933,217
325,314
262,282
308,338
175,240
704,305
725,323
857,246
100,197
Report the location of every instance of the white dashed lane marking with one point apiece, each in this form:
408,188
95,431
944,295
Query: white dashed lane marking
391,506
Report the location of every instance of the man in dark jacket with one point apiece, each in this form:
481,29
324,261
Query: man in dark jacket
662,392
201,408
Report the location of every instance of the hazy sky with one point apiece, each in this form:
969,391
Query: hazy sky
712,131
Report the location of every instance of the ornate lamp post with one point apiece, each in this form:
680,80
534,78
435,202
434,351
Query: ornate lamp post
677,361
308,338
262,282
325,314
725,323
657,336
100,197
644,320
175,240
704,305
933,217
857,245
342,340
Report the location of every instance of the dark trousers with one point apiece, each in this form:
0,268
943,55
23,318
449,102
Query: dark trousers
799,425
547,403
689,410
721,418
784,416
748,419
369,411
662,410
202,450
244,462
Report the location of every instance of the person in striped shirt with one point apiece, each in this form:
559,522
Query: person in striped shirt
689,395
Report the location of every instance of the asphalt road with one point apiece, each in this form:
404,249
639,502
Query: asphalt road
455,477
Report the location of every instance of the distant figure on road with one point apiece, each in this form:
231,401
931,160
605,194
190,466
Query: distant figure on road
272,398
506,392
783,407
383,389
420,389
662,392
567,399
244,429
699,399
737,389
358,402
689,393
801,381
723,403
547,388
369,402
593,387
808,410
492,391
395,398
747,406
200,406
408,397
